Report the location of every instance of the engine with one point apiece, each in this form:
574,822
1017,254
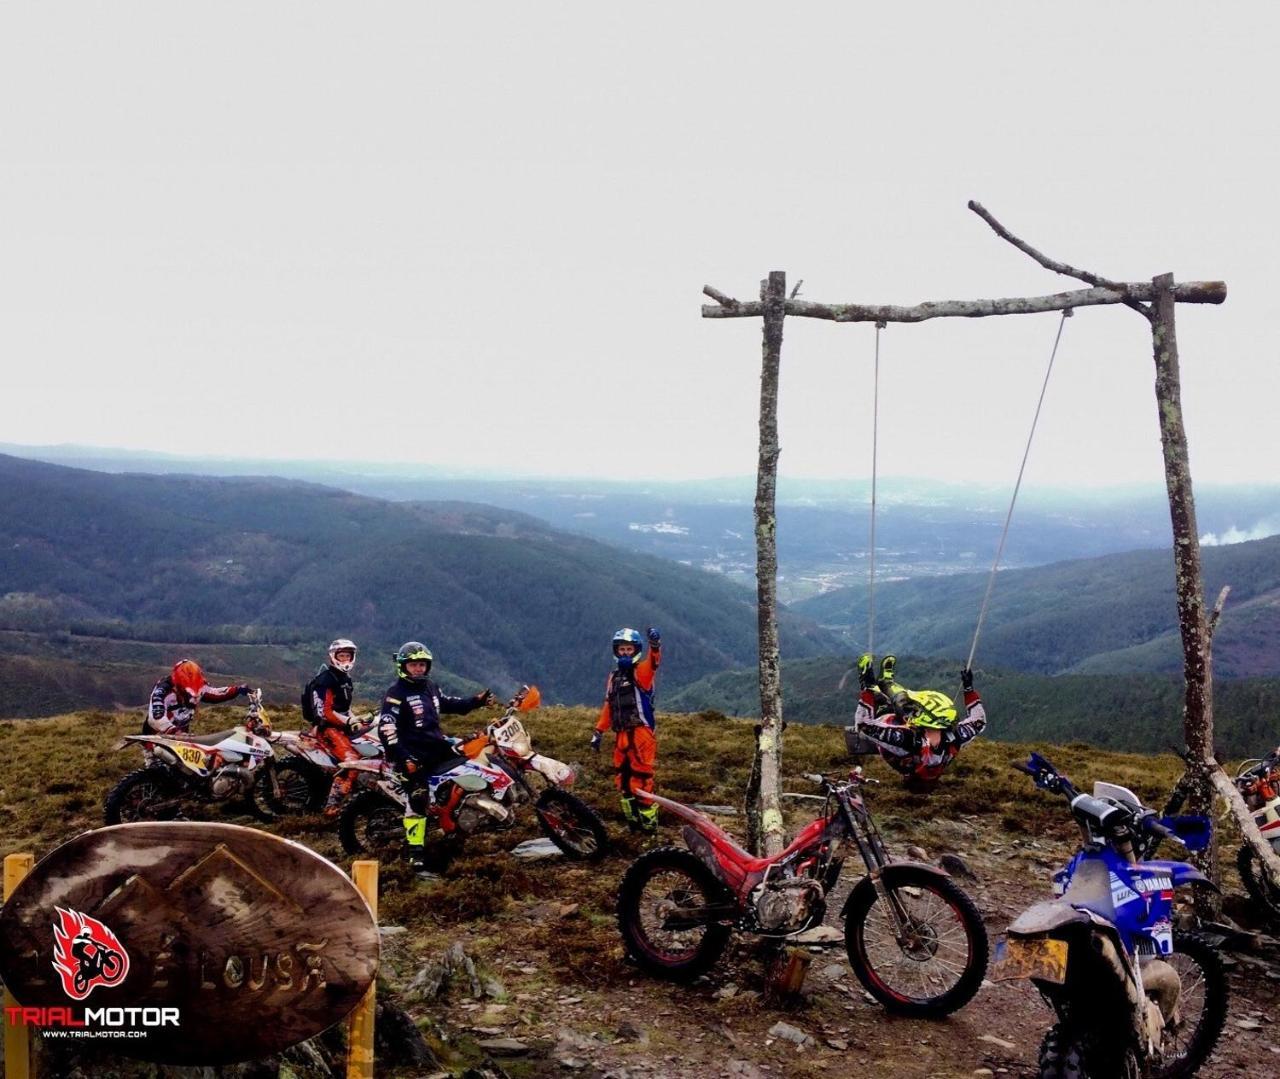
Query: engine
231,781
480,811
786,906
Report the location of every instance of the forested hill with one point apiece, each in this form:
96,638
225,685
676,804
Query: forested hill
1141,712
500,597
1110,614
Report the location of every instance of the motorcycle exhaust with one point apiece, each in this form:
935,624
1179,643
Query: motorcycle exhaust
230,779
166,755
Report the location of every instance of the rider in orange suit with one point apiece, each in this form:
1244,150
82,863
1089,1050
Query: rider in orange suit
628,712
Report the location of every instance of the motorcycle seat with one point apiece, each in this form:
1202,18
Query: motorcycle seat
207,739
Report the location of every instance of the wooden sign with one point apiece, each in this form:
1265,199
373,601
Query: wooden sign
186,943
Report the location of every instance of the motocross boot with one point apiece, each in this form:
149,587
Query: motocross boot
629,813
415,835
648,819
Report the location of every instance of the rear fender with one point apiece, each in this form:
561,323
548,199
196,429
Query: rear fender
888,874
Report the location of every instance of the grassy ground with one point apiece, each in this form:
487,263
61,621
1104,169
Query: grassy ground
546,932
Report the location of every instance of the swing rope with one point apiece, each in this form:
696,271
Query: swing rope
875,439
991,580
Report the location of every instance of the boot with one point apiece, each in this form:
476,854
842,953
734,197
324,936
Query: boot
648,821
629,813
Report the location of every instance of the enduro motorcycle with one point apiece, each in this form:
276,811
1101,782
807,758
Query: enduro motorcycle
1133,996
913,937
300,781
1259,784
480,790
195,768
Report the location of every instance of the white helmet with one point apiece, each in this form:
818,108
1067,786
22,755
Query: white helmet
342,645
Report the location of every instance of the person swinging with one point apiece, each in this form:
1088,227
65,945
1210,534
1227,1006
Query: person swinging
916,732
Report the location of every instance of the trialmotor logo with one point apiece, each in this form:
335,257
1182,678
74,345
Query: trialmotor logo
86,954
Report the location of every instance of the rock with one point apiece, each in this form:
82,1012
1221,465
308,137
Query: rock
997,1041
819,934
397,1040
832,971
503,1047
1248,1024
788,1033
571,1062
743,1067
494,989
839,1044
725,992
917,854
957,866
435,975
982,1071
535,850
631,1031
391,930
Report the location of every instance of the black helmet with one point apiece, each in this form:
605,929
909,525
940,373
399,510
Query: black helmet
409,651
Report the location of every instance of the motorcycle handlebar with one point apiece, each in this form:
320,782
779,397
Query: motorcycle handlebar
1153,826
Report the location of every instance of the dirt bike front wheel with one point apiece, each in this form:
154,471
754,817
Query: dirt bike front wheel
143,795
302,788
930,965
372,824
572,825
1064,1054
660,907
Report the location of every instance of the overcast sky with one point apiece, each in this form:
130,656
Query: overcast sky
475,235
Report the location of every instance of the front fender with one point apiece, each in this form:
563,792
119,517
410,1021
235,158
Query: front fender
887,874
1183,873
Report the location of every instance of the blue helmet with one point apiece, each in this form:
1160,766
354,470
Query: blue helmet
628,636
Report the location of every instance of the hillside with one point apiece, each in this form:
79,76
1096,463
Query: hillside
1140,712
543,937
1053,619
500,597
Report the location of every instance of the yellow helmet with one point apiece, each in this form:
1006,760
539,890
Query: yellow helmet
929,708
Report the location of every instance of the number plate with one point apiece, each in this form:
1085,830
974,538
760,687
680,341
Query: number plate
509,731
1044,959
190,755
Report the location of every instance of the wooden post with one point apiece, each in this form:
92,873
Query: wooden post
360,1031
1197,716
764,810
17,1038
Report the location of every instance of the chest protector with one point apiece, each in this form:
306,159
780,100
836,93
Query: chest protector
623,698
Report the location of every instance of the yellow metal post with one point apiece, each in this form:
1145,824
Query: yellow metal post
17,1039
360,1033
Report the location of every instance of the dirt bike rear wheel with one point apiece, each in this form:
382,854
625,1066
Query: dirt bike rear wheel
940,968
143,795
1257,883
1202,1006
572,825
303,788
1063,1055
372,824
657,885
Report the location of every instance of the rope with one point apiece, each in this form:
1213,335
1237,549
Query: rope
991,580
875,439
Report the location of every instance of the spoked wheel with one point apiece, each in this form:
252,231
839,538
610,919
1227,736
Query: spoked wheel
572,825
301,788
373,824
145,795
665,914
1257,883
941,959
1201,1011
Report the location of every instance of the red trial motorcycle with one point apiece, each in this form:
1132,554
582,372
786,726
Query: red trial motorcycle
913,937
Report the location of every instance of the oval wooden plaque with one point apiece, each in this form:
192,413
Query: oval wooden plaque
258,942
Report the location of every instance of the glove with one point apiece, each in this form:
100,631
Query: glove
866,679
244,691
888,668
595,740
485,698
354,726
655,638
966,680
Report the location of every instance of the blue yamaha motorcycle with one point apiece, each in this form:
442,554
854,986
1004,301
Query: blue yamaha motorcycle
1134,997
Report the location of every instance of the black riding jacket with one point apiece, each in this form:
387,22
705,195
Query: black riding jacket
409,721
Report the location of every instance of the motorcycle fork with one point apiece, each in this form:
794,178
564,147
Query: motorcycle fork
874,855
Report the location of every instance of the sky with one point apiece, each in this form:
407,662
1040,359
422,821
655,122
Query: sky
475,236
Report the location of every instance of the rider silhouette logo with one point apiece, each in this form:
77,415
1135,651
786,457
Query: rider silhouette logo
86,954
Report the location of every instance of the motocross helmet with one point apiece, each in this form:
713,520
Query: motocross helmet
342,645
627,636
188,678
929,708
409,651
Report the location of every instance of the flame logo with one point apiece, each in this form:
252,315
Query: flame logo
86,954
